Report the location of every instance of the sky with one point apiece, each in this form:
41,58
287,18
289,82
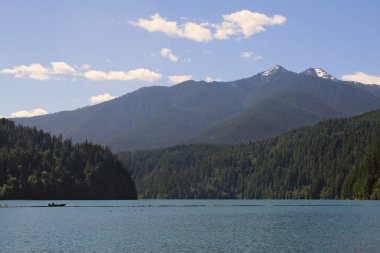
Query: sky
64,55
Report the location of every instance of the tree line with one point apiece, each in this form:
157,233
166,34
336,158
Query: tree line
36,165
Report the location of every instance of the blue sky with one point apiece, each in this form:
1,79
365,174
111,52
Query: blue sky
62,55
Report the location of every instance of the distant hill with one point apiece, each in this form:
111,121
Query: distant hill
335,159
264,105
36,165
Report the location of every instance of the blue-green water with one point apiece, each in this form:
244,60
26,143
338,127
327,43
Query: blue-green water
191,226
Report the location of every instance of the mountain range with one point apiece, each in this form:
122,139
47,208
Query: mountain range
264,105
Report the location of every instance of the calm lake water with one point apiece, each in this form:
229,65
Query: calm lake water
191,226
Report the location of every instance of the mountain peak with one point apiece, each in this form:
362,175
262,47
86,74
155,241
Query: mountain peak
318,72
273,70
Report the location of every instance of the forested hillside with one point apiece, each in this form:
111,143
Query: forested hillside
35,165
334,159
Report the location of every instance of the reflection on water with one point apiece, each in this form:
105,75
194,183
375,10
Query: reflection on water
190,226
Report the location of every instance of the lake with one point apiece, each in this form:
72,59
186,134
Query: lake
191,226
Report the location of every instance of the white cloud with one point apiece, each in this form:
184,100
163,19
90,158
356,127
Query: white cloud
100,98
38,72
210,79
33,71
250,56
246,23
196,32
189,30
1,116
62,68
32,113
136,74
241,23
362,78
158,24
179,79
246,55
166,53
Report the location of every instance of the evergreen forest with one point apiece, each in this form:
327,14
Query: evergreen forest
36,165
335,159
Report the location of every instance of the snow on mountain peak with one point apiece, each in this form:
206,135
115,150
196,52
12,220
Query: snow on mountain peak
318,72
273,70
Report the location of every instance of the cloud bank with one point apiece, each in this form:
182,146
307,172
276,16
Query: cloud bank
32,113
179,79
62,68
57,70
242,23
33,71
211,79
100,98
362,78
136,74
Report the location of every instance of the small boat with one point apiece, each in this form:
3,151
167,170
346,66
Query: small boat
56,205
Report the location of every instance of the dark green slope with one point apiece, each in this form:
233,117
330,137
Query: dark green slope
35,165
363,182
333,159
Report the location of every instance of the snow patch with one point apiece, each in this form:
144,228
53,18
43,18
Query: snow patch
318,72
323,74
272,70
